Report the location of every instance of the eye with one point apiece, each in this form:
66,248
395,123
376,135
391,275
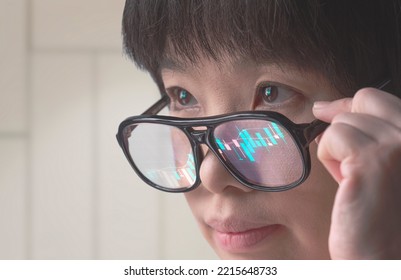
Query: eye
184,97
274,95
269,93
181,98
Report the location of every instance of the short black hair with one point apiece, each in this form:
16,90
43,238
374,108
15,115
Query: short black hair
354,43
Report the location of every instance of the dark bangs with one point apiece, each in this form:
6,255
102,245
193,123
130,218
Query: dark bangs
352,43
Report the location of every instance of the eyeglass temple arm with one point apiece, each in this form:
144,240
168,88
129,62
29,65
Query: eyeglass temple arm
382,84
152,110
158,106
314,129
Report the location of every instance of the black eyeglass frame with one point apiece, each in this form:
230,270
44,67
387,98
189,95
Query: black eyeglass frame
303,135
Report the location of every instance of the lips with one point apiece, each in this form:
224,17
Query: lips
240,235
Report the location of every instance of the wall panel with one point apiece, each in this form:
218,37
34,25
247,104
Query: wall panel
62,156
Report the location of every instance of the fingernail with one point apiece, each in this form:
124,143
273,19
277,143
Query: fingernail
317,139
320,104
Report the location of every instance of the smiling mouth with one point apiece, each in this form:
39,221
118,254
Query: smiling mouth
241,241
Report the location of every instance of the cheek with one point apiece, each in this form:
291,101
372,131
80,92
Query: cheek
307,212
319,177
195,202
315,202
320,187
198,203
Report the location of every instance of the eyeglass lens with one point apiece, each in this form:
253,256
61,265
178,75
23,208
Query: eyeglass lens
261,152
163,154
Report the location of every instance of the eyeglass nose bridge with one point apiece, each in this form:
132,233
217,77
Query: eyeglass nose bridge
199,135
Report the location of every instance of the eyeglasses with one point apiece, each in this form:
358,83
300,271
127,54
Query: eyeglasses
263,150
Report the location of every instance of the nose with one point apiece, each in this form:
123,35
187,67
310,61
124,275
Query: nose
215,177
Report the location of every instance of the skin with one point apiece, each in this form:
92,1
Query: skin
362,151
313,220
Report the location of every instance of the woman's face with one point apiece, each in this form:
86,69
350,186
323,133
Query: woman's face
238,222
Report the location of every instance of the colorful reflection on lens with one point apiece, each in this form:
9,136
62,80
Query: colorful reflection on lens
245,144
262,152
175,177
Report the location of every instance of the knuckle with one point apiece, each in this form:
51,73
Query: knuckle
341,117
364,93
363,97
344,103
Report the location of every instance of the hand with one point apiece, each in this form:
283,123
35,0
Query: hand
362,151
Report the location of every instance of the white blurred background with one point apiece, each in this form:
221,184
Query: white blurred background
66,190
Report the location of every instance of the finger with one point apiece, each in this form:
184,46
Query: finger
339,142
326,111
378,129
379,104
368,101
